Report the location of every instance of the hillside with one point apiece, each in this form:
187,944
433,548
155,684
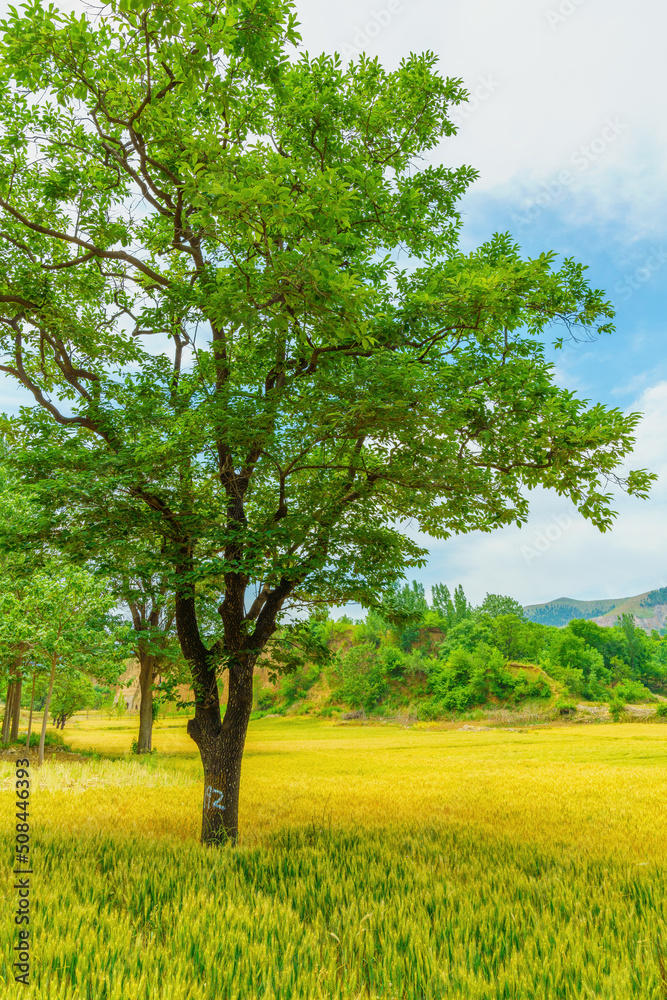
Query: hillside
648,609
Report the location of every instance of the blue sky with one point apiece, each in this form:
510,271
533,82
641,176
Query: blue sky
567,126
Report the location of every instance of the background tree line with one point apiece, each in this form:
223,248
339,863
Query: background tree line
452,657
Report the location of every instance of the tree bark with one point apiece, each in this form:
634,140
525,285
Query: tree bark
221,742
7,720
46,710
32,702
147,670
221,747
16,710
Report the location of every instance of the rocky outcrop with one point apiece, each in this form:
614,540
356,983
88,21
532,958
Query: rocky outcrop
656,619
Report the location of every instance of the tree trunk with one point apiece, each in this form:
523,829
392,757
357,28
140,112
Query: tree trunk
221,742
9,709
16,710
46,710
32,702
146,674
221,748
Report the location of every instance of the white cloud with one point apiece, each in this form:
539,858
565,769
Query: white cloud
557,82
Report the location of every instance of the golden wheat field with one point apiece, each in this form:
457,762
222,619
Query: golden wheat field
375,861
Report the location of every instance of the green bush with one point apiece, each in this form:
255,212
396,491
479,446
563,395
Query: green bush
616,709
425,709
374,629
571,677
296,685
654,673
469,634
265,698
632,691
570,651
50,740
363,672
397,664
565,708
470,678
527,686
661,710
518,639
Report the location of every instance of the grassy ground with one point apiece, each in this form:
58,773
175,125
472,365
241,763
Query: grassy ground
375,861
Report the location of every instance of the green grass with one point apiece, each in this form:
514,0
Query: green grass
427,913
376,861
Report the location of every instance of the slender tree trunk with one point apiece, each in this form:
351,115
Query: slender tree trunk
32,702
16,710
146,673
46,710
12,719
9,707
12,712
221,747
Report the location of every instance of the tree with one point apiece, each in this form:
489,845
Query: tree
76,691
655,671
68,614
410,600
16,570
62,621
638,644
12,716
17,578
199,290
128,566
462,608
15,590
406,607
451,610
30,710
578,665
497,604
153,613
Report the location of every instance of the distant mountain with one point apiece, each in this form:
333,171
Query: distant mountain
649,610
561,611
